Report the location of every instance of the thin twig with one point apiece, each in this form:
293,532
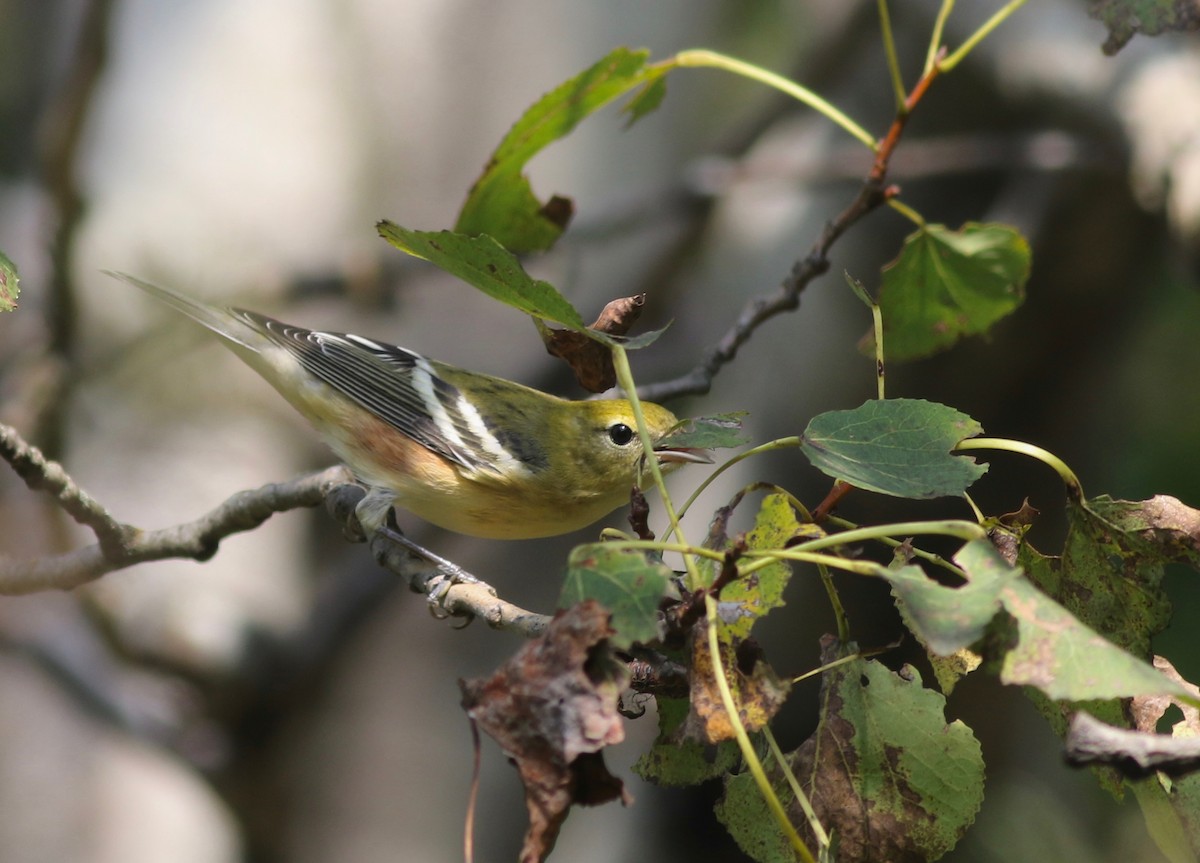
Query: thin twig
873,193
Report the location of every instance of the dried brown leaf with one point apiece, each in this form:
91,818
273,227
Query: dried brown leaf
552,708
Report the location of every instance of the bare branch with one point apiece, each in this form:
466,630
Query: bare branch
196,540
121,545
873,193
41,474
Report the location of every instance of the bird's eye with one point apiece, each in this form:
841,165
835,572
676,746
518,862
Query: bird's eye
620,434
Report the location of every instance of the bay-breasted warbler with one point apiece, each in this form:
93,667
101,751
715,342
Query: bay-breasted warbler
472,453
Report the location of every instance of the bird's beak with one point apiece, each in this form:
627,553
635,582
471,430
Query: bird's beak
682,455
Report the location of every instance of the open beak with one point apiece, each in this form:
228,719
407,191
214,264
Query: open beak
682,455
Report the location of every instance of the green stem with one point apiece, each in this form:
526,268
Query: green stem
907,212
700,57
625,379
858,654
892,542
814,823
877,331
982,33
753,764
625,544
835,602
1074,488
935,38
964,530
889,48
780,443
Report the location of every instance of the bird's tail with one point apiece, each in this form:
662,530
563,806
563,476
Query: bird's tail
224,322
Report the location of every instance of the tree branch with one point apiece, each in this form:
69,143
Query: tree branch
873,193
121,545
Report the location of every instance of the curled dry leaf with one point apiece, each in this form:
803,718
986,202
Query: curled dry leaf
589,360
552,708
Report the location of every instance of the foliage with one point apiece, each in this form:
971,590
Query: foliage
885,776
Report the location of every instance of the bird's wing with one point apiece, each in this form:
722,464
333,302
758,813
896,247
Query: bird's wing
396,385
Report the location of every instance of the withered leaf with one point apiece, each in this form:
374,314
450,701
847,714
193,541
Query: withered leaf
552,707
591,361
757,690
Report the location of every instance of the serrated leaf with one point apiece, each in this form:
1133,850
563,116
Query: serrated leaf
676,760
485,264
1110,572
626,582
720,431
886,774
899,447
1125,18
949,284
10,284
501,203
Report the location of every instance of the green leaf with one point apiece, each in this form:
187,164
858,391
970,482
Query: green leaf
646,100
886,774
899,447
1110,572
745,815
947,619
1125,18
10,284
626,582
949,284
502,203
721,431
1060,655
485,264
676,760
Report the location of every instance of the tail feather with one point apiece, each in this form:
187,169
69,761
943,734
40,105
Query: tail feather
221,321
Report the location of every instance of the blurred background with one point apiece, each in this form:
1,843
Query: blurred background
286,701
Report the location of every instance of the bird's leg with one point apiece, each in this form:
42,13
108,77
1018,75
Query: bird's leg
376,517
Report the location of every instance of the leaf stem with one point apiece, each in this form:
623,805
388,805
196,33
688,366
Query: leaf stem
835,602
964,530
935,38
1070,480
1002,14
699,57
769,446
625,379
814,823
876,330
907,212
889,48
753,764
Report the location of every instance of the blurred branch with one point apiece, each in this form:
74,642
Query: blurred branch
121,545
873,193
61,133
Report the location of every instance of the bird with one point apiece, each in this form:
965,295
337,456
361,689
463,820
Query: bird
474,454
